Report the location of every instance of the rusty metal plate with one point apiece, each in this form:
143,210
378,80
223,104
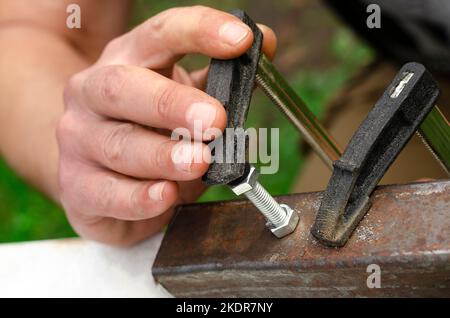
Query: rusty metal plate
223,250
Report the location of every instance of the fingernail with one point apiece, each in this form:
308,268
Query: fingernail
201,115
233,32
182,156
155,191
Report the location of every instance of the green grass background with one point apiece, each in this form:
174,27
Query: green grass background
25,214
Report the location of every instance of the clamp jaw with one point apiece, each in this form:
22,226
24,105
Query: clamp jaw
380,138
232,82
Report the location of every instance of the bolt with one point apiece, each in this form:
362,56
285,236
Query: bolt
281,219
264,202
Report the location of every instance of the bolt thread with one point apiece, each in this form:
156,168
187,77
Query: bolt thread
265,203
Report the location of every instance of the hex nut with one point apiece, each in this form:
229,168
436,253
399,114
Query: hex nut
289,224
247,182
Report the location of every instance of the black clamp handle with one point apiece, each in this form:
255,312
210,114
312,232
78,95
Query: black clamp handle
370,152
232,82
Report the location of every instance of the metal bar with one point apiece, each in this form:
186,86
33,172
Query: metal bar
435,132
223,250
279,91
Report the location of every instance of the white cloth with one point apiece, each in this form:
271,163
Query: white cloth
78,268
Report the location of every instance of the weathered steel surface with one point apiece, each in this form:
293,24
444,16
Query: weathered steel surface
223,249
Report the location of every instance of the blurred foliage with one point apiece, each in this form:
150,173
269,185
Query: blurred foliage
26,214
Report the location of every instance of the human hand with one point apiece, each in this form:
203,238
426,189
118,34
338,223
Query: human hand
118,180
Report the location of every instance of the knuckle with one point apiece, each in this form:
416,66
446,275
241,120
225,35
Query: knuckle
136,204
115,141
109,83
157,22
162,156
105,195
163,101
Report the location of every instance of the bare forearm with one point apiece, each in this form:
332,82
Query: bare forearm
35,65
38,53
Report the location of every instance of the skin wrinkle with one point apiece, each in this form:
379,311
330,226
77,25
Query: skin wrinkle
163,155
115,141
112,82
105,195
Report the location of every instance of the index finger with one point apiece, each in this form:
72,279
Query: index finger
165,38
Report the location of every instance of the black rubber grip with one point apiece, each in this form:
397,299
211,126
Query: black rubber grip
232,82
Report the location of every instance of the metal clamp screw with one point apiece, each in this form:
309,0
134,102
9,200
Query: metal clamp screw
282,220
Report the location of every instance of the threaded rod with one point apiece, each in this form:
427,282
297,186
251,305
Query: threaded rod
265,203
